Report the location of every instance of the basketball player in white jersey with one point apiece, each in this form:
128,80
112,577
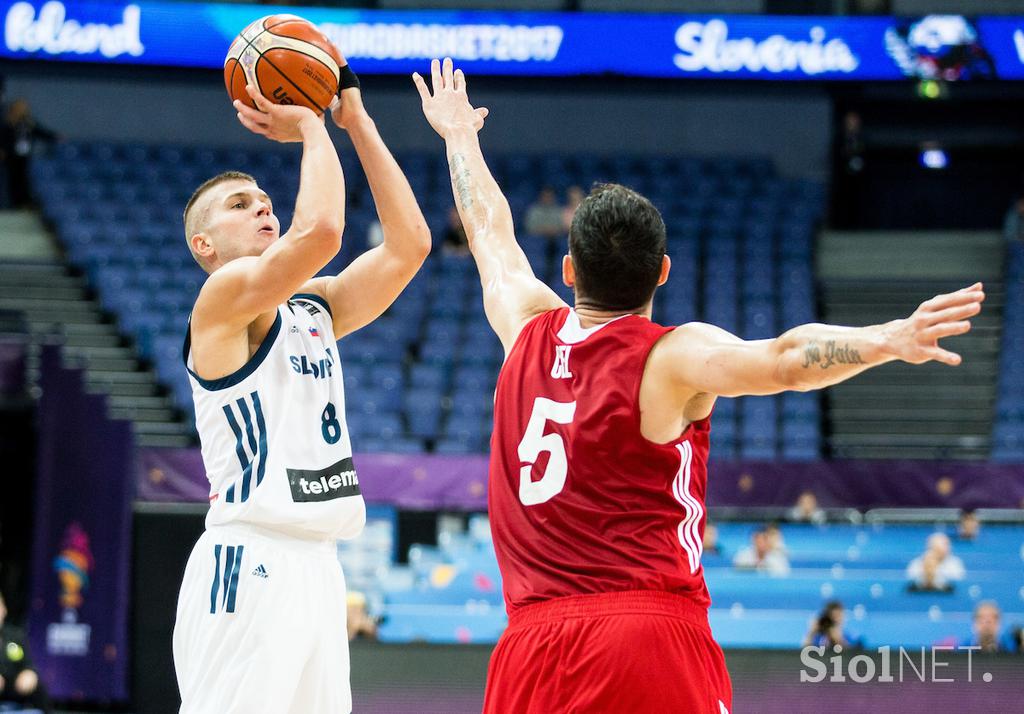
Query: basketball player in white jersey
261,614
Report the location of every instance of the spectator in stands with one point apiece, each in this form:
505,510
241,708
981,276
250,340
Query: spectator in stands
455,241
776,542
544,216
806,509
711,539
21,136
985,629
937,569
19,682
761,556
969,526
929,579
360,624
1013,222
573,198
827,629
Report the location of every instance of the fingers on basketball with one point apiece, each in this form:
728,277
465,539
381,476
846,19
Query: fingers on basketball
261,102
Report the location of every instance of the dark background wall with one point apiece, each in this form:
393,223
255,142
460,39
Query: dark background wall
791,124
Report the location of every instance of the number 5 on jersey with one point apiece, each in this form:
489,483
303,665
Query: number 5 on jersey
535,442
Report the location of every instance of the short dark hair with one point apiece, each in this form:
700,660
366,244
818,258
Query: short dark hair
617,242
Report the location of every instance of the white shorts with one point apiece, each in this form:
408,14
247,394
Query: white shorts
261,626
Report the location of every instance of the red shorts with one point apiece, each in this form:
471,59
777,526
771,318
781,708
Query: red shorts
636,652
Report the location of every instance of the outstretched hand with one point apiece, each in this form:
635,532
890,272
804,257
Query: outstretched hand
278,122
448,108
916,338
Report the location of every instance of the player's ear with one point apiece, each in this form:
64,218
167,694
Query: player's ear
568,271
201,245
666,266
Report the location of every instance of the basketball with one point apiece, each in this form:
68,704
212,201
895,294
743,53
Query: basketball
288,59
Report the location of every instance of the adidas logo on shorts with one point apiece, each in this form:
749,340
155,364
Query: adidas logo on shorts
260,571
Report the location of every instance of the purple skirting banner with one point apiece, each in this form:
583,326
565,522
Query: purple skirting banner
429,482
78,620
869,484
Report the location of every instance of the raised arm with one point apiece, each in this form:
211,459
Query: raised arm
246,287
367,287
512,293
698,359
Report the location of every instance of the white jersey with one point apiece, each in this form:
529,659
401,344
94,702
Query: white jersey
274,439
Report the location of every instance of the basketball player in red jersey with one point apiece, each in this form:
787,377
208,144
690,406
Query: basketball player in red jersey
600,443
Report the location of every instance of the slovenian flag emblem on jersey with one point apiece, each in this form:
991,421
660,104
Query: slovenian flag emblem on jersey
314,332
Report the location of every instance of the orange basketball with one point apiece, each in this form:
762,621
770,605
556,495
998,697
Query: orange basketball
288,59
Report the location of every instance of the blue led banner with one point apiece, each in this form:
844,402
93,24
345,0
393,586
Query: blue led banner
537,44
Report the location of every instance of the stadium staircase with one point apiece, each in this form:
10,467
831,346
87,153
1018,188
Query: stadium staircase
899,410
58,306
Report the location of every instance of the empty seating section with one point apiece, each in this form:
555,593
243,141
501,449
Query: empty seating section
452,592
1008,433
422,377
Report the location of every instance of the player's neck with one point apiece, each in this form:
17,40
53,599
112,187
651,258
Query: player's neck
592,315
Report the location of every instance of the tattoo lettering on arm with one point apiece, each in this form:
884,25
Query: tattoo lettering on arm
833,354
812,355
460,177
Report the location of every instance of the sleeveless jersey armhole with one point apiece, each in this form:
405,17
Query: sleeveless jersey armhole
242,372
528,326
699,425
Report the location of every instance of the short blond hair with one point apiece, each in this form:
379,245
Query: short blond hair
192,219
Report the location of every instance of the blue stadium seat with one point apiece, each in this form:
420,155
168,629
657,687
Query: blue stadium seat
485,351
800,406
467,427
370,400
376,426
430,376
475,403
455,447
474,378
440,354
725,408
759,320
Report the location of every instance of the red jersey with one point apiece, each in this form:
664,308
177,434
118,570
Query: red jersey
580,502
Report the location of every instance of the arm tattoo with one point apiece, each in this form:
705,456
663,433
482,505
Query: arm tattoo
460,179
832,354
812,355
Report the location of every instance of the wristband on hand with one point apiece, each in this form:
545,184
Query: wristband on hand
348,79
